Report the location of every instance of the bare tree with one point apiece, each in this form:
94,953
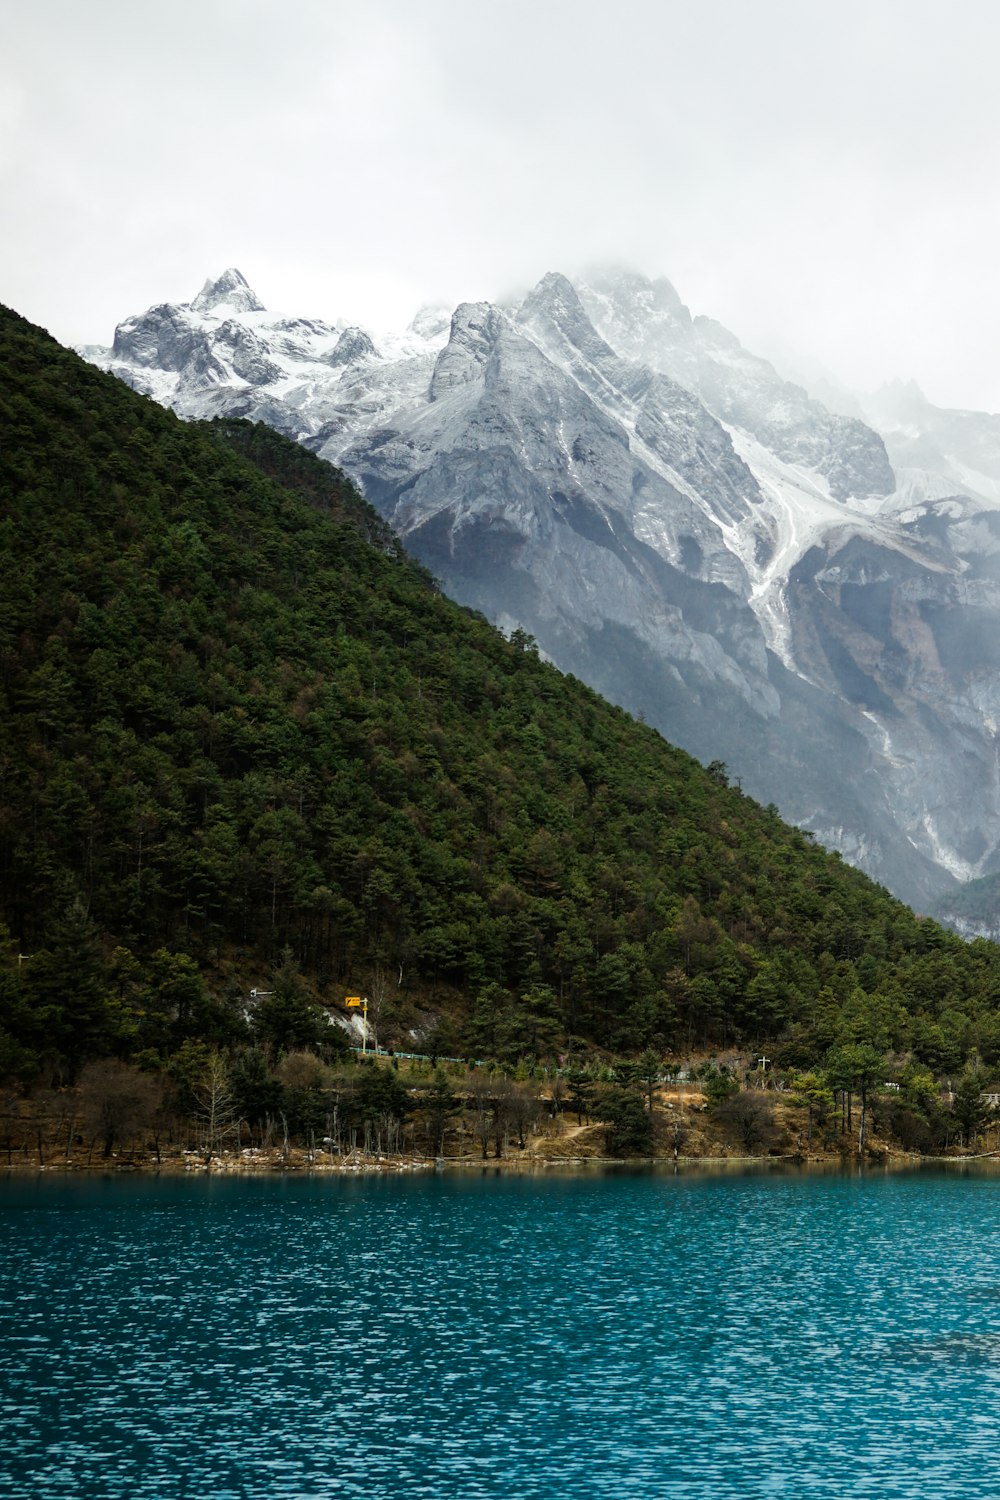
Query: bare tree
504,1091
9,1107
481,1094
117,1101
523,1106
216,1104
378,999
58,1110
678,1134
751,1116
440,1105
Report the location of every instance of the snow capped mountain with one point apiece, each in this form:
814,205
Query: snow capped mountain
227,296
937,452
224,353
741,389
696,537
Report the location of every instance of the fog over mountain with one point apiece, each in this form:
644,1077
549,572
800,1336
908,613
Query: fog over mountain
818,178
810,597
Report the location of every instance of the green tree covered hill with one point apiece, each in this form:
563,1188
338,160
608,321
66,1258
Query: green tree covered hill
242,733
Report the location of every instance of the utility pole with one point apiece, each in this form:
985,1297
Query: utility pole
352,1002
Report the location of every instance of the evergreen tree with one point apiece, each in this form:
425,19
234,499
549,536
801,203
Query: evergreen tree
968,1105
629,1125
286,1020
440,1106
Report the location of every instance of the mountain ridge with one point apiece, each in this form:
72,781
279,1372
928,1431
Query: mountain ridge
672,521
239,723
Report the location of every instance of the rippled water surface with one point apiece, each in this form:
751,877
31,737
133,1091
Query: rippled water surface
451,1336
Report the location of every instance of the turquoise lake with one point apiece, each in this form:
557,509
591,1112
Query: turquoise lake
765,1334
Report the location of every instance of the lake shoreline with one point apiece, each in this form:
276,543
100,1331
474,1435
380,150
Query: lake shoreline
298,1164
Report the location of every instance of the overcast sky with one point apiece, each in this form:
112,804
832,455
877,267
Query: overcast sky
817,176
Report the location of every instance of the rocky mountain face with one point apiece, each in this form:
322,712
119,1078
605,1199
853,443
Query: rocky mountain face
770,583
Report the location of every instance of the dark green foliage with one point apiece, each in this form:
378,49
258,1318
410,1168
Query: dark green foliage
968,1105
234,719
649,1073
719,1085
579,1093
629,1123
440,1105
913,1113
812,1091
379,1095
320,484
856,1067
68,1011
258,1094
286,1020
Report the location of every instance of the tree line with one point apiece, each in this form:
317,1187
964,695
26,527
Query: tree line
238,723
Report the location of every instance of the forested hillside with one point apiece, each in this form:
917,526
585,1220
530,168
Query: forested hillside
242,735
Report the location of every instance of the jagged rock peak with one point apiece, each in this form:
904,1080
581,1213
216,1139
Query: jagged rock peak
232,290
353,345
556,295
642,319
898,401
475,328
628,291
554,307
898,387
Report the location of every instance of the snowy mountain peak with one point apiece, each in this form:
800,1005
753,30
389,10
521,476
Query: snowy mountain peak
557,292
475,328
353,345
631,309
556,316
675,522
555,299
230,290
